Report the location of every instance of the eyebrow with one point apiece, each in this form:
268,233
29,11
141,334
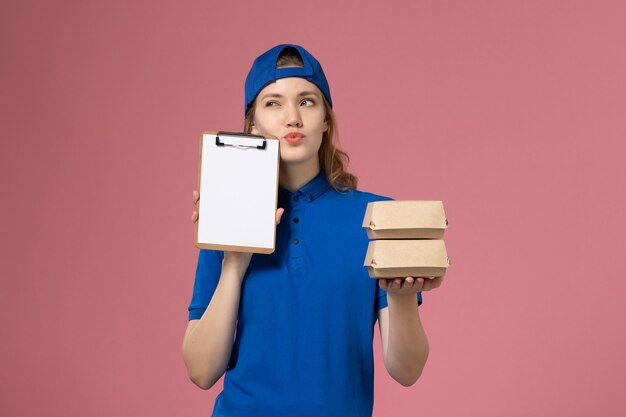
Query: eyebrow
303,93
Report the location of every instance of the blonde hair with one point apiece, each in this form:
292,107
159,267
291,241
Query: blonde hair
333,161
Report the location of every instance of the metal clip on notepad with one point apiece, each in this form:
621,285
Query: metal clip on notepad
218,142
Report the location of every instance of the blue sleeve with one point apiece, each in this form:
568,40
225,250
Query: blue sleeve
208,273
381,298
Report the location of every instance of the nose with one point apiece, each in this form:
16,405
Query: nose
293,117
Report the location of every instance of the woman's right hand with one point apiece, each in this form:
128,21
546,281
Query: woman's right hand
238,260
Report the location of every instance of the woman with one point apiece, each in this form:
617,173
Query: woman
303,316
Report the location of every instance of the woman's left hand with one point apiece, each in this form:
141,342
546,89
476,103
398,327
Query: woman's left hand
409,285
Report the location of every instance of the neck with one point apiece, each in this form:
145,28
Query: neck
294,175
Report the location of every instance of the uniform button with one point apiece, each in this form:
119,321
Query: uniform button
295,198
311,197
295,241
295,220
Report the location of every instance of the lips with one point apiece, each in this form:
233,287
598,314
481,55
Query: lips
294,135
294,138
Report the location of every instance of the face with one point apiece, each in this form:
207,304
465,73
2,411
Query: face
292,106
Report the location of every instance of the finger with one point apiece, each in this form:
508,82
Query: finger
279,214
407,283
420,283
428,285
382,283
194,217
196,197
431,284
397,284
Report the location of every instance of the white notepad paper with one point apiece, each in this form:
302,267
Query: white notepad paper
238,185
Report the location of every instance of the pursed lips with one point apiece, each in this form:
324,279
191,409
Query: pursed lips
294,136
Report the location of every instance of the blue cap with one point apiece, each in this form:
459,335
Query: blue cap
264,71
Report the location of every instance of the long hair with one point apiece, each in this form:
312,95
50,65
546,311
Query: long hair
333,161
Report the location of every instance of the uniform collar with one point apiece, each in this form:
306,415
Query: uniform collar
308,192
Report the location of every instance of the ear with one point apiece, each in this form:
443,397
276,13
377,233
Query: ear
253,129
326,126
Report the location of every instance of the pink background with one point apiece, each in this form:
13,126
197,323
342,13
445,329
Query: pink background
511,112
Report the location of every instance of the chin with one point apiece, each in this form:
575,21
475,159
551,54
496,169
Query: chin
294,157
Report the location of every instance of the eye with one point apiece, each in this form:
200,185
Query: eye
309,102
271,103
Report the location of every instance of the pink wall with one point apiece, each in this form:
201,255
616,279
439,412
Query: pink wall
512,113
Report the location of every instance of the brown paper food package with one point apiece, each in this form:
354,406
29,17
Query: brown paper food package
409,219
406,258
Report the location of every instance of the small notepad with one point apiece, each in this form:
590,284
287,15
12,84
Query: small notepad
238,185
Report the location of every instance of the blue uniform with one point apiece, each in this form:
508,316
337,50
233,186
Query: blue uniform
306,317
